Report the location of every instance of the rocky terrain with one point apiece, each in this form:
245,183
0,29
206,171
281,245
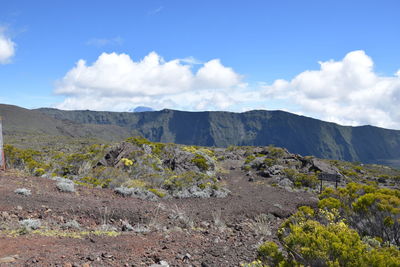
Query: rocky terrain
139,203
98,227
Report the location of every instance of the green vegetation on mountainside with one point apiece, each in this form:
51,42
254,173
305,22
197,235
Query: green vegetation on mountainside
299,134
158,168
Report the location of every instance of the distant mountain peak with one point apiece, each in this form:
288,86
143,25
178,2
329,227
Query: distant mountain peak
141,109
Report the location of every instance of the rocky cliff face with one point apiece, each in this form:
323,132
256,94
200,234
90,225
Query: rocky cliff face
299,134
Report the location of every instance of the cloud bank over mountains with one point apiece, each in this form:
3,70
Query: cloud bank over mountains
116,82
347,91
7,47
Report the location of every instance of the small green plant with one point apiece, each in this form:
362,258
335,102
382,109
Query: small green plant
249,159
201,162
269,162
301,179
39,172
269,253
276,152
94,182
157,192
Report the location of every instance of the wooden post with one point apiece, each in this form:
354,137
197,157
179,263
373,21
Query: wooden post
2,158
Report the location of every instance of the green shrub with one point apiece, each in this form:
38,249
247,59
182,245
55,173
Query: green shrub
157,192
94,182
39,172
269,253
301,179
312,238
307,180
276,152
269,162
371,210
138,140
201,162
329,203
249,159
184,180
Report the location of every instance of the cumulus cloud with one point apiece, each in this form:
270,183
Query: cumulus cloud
347,92
7,48
116,82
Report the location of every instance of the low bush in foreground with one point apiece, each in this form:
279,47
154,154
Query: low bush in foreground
369,209
319,239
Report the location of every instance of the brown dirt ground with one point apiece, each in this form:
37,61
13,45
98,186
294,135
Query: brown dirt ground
213,232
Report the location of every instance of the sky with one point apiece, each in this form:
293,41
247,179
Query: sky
333,60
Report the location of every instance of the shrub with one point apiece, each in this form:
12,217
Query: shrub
23,191
308,242
92,181
157,192
71,225
127,162
123,191
269,253
307,180
136,192
184,180
329,203
319,245
138,140
201,162
276,152
190,149
269,162
262,225
371,210
30,224
65,186
39,172
135,183
249,159
301,179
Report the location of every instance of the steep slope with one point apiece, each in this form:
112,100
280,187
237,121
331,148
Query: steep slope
298,134
23,126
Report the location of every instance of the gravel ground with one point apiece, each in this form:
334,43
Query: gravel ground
180,232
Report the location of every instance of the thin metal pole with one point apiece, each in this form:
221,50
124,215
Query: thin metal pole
2,157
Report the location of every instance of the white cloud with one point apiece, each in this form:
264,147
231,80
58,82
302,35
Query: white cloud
156,11
7,48
116,82
347,92
99,42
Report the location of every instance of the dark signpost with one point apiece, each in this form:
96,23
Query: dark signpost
330,177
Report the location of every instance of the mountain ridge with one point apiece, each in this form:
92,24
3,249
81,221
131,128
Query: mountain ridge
299,134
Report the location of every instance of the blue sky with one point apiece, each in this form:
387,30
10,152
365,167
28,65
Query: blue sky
205,55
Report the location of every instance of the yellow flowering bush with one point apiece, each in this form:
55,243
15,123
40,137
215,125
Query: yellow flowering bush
127,162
